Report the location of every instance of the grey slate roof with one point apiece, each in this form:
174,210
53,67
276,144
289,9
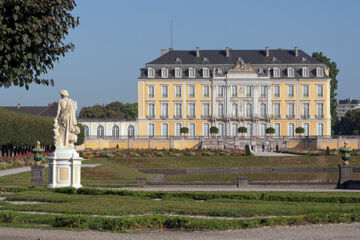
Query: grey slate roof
249,56
50,110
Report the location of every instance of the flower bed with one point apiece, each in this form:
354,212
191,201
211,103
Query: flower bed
21,160
332,152
152,153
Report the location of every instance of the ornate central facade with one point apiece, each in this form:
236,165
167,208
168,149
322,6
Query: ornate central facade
283,89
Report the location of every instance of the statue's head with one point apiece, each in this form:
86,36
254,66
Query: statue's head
64,93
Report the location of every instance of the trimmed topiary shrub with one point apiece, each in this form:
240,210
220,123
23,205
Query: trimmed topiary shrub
247,150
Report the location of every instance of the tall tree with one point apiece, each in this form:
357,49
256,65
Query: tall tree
333,71
117,110
349,124
32,34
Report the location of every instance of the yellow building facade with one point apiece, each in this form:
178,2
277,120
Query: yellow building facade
257,89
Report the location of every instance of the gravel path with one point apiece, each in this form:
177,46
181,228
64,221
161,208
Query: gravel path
306,232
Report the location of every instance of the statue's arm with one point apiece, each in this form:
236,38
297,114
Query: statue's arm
58,112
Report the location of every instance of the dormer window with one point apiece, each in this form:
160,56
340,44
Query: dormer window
305,72
178,72
319,72
191,72
206,72
290,72
164,73
151,72
276,72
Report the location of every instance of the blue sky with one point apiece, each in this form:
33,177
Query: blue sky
117,37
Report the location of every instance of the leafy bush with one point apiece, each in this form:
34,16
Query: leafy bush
327,151
70,221
8,217
247,150
67,190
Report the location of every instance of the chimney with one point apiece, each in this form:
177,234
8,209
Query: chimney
227,52
163,52
171,49
267,51
197,52
296,51
18,106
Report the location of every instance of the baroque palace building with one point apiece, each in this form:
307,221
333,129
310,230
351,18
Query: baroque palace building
198,89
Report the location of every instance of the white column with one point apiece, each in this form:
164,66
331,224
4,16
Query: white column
255,100
269,99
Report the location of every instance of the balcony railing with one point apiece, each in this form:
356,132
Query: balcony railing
177,116
164,116
305,116
207,116
150,116
319,115
290,116
192,116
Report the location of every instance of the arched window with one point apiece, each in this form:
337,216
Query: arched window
177,129
291,129
115,131
131,131
206,129
221,129
164,130
192,130
151,129
249,128
277,129
100,131
306,129
320,129
234,129
86,131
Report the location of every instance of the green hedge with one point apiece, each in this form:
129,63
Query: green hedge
17,129
169,222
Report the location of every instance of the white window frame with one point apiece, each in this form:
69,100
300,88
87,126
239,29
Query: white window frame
164,134
192,72
100,131
86,131
319,72
322,90
178,72
151,129
191,89
306,127
303,90
178,87
234,129
318,133
190,111
177,131
220,91
290,72
318,114
163,108
278,86
178,114
151,109
274,109
164,73
151,72
206,131
263,91
152,91
192,134
263,111
208,91
305,112
115,131
276,72
234,91
288,109
164,89
277,129
221,129
248,91
222,108
293,90
249,113
204,113
206,72
292,133
305,72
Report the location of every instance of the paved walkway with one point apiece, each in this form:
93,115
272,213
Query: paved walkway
305,232
27,169
274,154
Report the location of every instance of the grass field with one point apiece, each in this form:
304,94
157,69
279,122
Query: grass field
120,171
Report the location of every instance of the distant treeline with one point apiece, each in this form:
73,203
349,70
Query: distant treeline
116,110
19,132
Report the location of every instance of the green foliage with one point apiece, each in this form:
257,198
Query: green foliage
299,130
111,110
327,151
214,130
184,130
242,130
333,71
270,130
70,221
247,150
24,129
349,124
32,37
8,217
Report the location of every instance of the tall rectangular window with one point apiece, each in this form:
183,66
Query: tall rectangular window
305,110
248,91
177,72
164,73
191,91
320,110
305,90
151,109
164,91
191,72
234,91
177,129
291,110
151,91
206,91
290,89
206,109
276,90
221,91
320,90
277,129
164,110
263,110
206,129
192,130
178,91
178,110
206,73
191,109
164,129
220,110
248,110
263,91
276,109
151,129
235,110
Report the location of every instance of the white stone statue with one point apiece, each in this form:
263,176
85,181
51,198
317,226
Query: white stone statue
65,124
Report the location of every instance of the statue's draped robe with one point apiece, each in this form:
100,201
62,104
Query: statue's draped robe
66,120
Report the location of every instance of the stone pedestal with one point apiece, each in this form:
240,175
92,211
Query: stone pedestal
37,174
345,174
64,169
